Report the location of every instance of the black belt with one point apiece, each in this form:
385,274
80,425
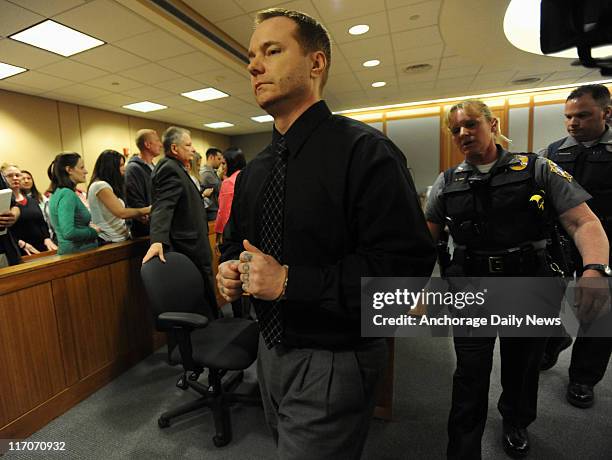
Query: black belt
522,260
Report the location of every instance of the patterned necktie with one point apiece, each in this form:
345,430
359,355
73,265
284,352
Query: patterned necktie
272,240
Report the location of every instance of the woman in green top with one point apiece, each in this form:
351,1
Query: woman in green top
69,216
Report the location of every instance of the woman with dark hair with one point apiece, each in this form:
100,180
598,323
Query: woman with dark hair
70,218
30,230
105,198
235,161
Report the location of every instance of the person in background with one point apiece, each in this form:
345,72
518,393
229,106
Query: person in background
586,154
210,179
30,231
178,216
194,172
234,158
105,197
31,191
138,177
69,216
9,253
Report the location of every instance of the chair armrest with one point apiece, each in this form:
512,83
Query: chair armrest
180,319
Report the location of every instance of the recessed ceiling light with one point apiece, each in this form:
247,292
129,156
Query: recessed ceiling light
263,118
219,124
372,63
522,29
145,106
379,84
8,70
359,29
205,94
57,38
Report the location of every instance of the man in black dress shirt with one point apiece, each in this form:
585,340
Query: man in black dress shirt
348,208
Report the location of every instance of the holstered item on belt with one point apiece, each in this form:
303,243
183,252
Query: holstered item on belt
523,260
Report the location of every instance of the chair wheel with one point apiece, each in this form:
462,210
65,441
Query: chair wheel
182,383
163,422
220,441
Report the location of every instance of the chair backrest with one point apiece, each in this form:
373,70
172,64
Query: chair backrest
175,285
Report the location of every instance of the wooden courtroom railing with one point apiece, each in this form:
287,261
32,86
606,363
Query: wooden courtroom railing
68,325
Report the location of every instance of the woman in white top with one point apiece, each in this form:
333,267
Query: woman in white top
105,198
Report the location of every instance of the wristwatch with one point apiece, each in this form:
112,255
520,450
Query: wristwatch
605,270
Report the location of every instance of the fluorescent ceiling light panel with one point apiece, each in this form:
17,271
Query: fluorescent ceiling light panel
219,124
263,118
145,106
8,70
371,63
359,29
522,29
57,38
379,84
205,94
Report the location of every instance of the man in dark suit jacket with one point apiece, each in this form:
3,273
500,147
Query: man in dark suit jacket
178,216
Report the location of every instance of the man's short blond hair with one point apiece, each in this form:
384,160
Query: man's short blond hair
142,136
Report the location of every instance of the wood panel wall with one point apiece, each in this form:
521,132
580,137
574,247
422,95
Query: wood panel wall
68,326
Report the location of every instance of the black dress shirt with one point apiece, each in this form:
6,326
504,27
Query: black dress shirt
7,243
351,210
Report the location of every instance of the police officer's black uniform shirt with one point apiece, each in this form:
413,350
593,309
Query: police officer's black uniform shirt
350,210
562,191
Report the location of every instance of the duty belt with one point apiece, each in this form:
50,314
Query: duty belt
523,260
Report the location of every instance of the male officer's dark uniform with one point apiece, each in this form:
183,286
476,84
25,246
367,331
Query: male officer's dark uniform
591,165
499,229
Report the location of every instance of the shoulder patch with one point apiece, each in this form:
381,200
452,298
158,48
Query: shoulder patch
523,161
556,169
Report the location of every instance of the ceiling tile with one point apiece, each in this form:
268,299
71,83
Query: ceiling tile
569,74
461,84
392,4
339,65
14,18
180,85
226,80
48,8
40,81
191,64
27,56
416,38
176,101
154,45
148,93
343,83
256,5
333,10
114,83
8,85
115,100
235,106
414,16
385,58
102,56
82,91
71,70
419,54
377,22
367,46
381,73
456,61
239,28
106,20
215,10
469,71
150,74
501,78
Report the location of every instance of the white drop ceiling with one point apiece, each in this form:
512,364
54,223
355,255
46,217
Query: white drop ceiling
147,56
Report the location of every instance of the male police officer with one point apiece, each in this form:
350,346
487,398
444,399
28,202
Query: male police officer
487,202
587,154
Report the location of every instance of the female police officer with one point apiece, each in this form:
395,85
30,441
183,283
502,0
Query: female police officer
485,201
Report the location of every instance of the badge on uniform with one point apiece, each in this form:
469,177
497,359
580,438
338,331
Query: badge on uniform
555,168
524,161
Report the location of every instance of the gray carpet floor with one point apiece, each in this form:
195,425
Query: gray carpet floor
120,420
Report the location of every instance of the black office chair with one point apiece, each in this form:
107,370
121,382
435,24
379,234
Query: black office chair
176,292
